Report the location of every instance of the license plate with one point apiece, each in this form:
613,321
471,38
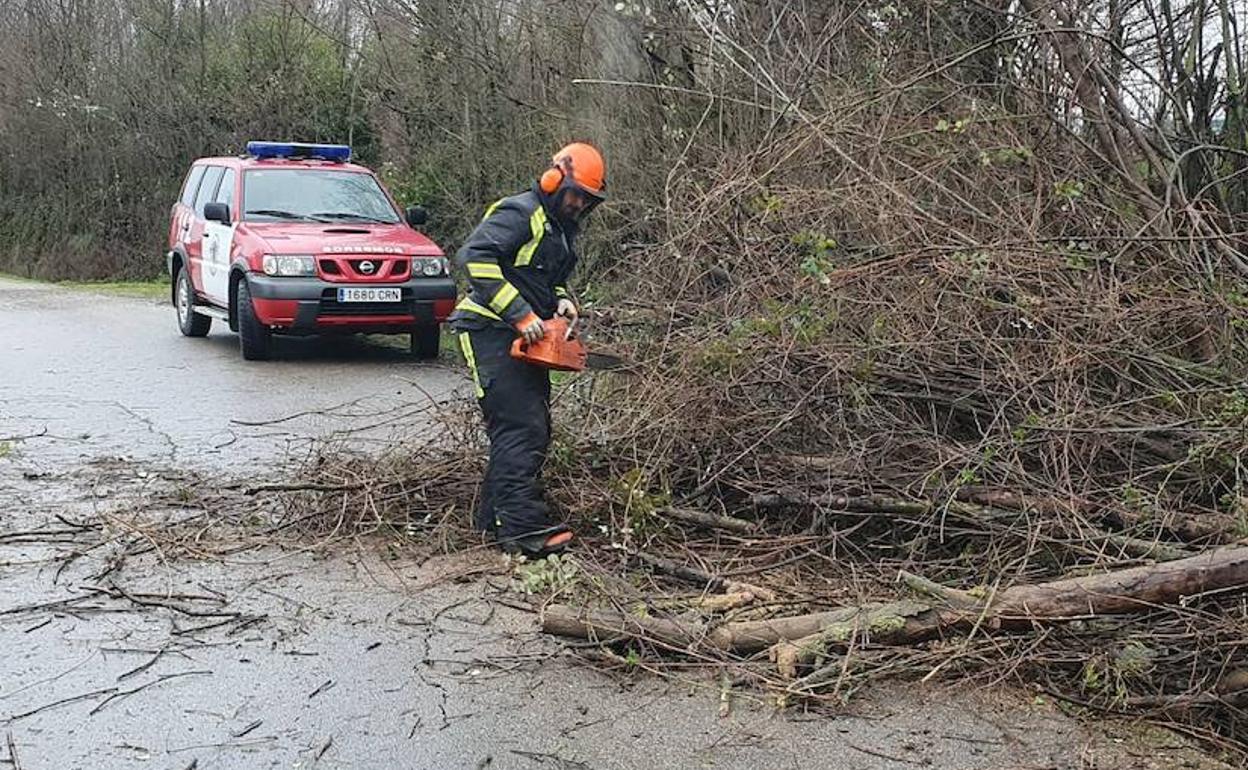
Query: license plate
370,294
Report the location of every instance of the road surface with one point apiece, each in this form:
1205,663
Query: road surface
295,656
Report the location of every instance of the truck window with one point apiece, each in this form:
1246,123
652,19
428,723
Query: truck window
192,185
207,188
225,192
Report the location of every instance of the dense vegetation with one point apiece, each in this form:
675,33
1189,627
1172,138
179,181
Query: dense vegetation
103,104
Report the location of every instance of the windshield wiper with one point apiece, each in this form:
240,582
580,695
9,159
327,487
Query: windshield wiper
353,215
279,214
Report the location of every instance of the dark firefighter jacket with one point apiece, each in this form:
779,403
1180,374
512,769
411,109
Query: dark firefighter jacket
517,260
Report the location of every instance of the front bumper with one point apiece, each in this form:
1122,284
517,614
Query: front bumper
310,305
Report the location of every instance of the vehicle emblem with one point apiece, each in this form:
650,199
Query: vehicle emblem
367,267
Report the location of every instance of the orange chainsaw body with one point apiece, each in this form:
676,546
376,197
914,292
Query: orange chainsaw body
553,351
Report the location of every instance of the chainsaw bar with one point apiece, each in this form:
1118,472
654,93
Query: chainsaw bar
604,361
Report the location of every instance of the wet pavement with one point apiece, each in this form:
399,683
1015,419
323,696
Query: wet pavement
120,650
102,374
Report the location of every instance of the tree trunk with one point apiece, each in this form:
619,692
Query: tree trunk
1125,591
803,637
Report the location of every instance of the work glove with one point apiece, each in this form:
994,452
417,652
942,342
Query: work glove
567,309
531,328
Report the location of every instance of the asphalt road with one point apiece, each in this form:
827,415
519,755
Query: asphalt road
357,657
111,375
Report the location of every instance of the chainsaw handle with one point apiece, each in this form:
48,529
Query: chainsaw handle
557,349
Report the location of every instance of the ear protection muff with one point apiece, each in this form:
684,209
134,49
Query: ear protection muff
550,181
552,178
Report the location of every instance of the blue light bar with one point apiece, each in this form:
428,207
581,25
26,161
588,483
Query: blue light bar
338,153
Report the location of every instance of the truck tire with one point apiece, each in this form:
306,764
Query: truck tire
190,323
426,341
254,338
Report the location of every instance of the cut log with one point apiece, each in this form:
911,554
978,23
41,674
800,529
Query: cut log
679,571
859,503
607,626
710,603
881,624
983,503
725,602
1208,527
1124,591
704,580
709,520
1004,498
1147,549
951,596
883,504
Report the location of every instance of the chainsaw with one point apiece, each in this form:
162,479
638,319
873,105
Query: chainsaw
562,350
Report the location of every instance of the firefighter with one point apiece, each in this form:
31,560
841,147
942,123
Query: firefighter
517,261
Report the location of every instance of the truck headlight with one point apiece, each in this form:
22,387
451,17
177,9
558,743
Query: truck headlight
289,264
429,266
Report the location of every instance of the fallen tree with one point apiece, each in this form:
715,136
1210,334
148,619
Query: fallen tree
801,638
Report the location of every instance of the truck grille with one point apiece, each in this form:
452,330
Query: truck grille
338,268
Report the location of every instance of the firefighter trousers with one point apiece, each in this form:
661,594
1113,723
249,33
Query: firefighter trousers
515,400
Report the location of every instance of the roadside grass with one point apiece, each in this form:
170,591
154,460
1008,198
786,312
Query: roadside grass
157,288
142,289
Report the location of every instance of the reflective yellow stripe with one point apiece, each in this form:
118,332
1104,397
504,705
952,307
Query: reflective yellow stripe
493,206
485,270
465,344
537,226
504,297
468,305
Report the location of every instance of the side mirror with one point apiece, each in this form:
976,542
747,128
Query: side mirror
217,212
417,216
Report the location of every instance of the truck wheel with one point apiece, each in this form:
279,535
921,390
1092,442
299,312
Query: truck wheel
190,323
254,338
426,340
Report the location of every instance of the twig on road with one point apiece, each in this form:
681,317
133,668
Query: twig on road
127,693
144,600
143,667
37,626
61,702
324,748
324,686
541,757
882,755
217,624
13,760
58,604
52,678
40,434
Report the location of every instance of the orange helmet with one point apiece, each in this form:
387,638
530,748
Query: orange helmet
578,165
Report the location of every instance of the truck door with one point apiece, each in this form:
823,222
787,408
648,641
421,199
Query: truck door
218,243
195,235
184,212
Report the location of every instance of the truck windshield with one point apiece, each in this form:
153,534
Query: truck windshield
313,195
